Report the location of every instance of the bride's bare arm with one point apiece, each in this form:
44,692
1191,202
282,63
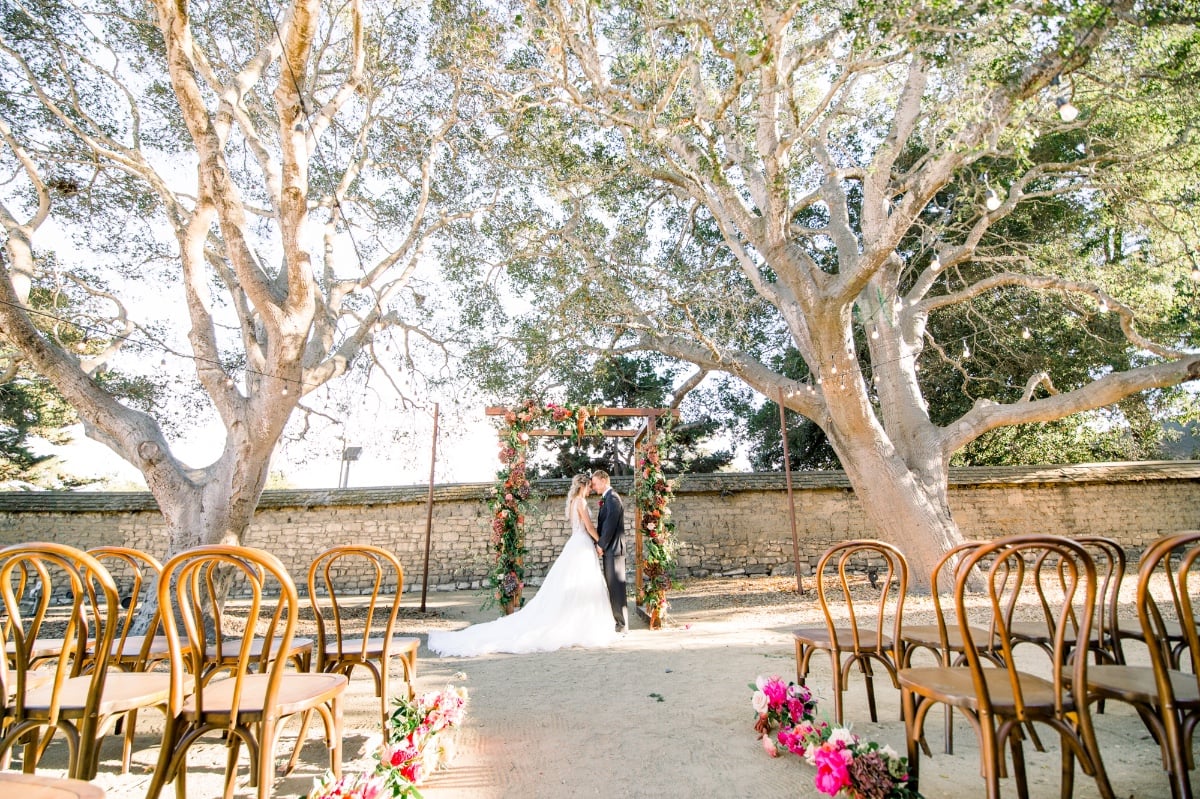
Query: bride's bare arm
581,509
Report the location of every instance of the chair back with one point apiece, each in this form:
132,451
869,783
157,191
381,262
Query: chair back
33,578
869,618
193,587
1168,597
1111,563
344,575
136,574
1051,576
945,572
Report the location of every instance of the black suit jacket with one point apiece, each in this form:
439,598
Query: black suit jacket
610,525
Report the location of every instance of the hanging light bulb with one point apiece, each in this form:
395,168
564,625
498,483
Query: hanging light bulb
1025,334
1067,111
916,367
818,381
284,392
935,263
875,330
228,382
991,199
1196,272
966,350
1103,307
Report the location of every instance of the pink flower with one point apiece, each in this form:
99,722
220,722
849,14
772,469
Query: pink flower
832,772
769,746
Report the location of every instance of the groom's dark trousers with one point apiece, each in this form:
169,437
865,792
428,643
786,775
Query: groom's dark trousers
610,528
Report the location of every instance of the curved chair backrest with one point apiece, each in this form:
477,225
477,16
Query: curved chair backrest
1174,560
1111,563
867,618
136,572
34,574
355,570
193,587
1037,568
946,571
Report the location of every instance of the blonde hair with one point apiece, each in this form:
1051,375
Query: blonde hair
578,482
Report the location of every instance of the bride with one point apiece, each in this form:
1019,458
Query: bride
570,609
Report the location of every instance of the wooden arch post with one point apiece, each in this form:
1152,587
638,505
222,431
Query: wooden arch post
650,429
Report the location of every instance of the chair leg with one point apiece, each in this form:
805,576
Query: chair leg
838,685
989,756
234,745
869,676
305,717
908,705
265,757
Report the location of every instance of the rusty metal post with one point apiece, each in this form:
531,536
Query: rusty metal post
787,469
429,510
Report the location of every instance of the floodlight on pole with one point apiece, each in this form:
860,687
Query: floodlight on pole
348,454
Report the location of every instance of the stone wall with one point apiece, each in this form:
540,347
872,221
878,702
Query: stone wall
727,524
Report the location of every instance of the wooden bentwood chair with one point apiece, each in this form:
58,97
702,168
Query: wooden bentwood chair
75,693
1000,700
865,636
338,650
943,638
250,705
1165,694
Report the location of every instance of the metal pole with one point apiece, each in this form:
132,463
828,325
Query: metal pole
787,469
429,510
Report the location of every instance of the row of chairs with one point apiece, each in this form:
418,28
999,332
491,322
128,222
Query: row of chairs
1070,589
243,686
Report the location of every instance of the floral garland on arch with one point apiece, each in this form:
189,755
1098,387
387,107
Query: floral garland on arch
510,498
847,766
653,500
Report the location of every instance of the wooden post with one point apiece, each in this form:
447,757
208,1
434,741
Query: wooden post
429,510
787,469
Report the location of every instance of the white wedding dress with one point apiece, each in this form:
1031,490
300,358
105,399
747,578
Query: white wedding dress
570,609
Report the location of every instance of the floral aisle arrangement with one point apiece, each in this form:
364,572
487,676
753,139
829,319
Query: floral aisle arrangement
653,500
416,743
847,766
510,499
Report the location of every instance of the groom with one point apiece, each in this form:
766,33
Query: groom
610,527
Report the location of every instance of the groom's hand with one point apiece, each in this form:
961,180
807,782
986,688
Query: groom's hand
599,552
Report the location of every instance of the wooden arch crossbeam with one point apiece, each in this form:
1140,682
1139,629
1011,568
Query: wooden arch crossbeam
651,415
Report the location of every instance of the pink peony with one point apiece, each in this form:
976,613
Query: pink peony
832,772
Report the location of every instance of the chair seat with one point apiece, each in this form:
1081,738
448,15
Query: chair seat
1036,633
132,647
928,635
819,637
122,692
231,648
954,686
1132,629
297,692
353,647
1136,684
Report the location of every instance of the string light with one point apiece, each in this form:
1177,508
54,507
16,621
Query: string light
991,199
935,263
1196,272
1103,307
1067,111
966,350
1025,334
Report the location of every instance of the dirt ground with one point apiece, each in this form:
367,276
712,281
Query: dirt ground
662,714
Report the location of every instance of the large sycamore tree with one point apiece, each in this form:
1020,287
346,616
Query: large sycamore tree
738,181
273,171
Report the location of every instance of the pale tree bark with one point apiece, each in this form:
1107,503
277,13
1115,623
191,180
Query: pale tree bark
757,125
288,131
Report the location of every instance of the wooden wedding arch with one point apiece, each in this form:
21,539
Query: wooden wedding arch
578,423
